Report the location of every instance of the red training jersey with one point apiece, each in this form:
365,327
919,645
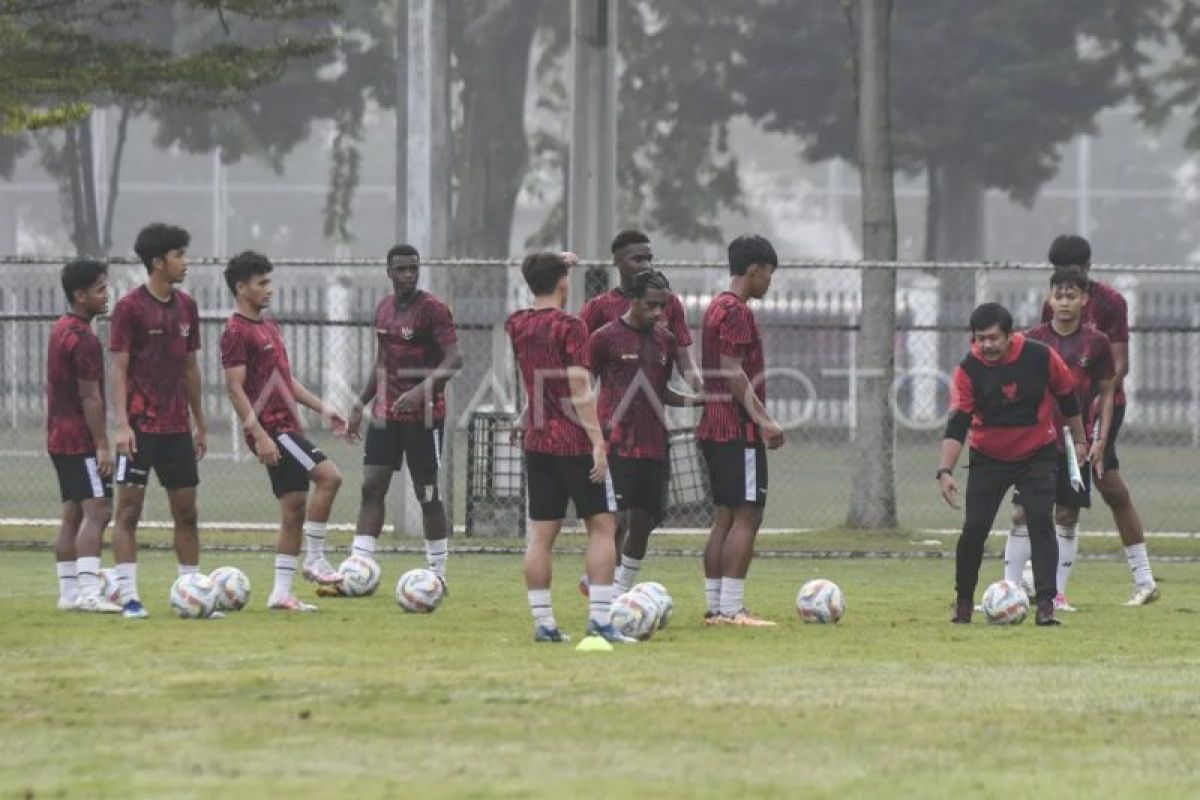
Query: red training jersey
74,355
158,337
730,329
546,341
1088,355
612,305
412,340
1107,312
258,346
1012,401
634,367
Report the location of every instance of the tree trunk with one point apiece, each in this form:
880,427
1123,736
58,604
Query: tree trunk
114,178
873,488
493,61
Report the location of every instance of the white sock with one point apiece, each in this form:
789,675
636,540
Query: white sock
1068,546
314,541
127,578
627,573
712,594
189,569
1017,551
733,592
88,569
436,553
600,604
363,545
285,570
68,583
543,611
1139,564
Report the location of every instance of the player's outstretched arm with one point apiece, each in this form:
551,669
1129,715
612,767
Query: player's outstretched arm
366,395
191,375
306,398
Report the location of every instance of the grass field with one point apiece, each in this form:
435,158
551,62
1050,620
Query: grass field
363,701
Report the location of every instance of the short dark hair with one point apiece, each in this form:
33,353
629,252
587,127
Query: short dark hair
402,250
158,239
989,314
1069,276
1069,250
750,249
244,266
647,280
628,237
543,271
81,274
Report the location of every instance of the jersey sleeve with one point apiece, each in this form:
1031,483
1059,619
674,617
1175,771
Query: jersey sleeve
1116,324
87,359
573,333
678,323
121,328
596,352
442,322
735,332
962,392
1062,382
233,349
590,314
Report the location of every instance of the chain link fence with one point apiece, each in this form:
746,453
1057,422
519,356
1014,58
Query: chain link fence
810,324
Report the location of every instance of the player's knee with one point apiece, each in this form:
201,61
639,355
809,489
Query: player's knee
374,491
1066,516
1018,517
128,515
99,512
186,517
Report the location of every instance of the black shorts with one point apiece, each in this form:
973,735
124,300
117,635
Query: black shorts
1110,444
553,480
79,478
298,457
172,456
1064,492
640,483
388,446
737,472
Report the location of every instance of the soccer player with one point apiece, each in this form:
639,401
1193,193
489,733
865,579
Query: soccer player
1107,312
566,457
736,431
1088,354
633,356
415,357
264,393
77,439
1004,392
154,336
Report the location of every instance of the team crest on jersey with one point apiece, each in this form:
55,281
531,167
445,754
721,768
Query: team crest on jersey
1084,361
184,329
407,334
1010,391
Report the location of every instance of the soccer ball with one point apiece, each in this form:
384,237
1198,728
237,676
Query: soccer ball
635,614
194,596
1027,582
419,591
360,576
1005,603
233,588
661,597
110,587
821,601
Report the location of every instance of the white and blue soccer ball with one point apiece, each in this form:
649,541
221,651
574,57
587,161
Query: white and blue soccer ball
635,614
360,576
419,591
233,588
194,596
1005,603
661,598
110,586
820,601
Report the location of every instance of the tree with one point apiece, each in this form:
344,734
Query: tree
873,489
63,57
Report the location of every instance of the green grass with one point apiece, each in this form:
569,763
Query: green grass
363,701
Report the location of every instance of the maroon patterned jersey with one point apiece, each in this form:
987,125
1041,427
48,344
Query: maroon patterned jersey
258,346
730,329
75,355
1088,355
1108,313
634,368
612,305
412,340
158,337
545,342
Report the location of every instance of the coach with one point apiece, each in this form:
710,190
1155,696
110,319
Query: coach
1004,393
